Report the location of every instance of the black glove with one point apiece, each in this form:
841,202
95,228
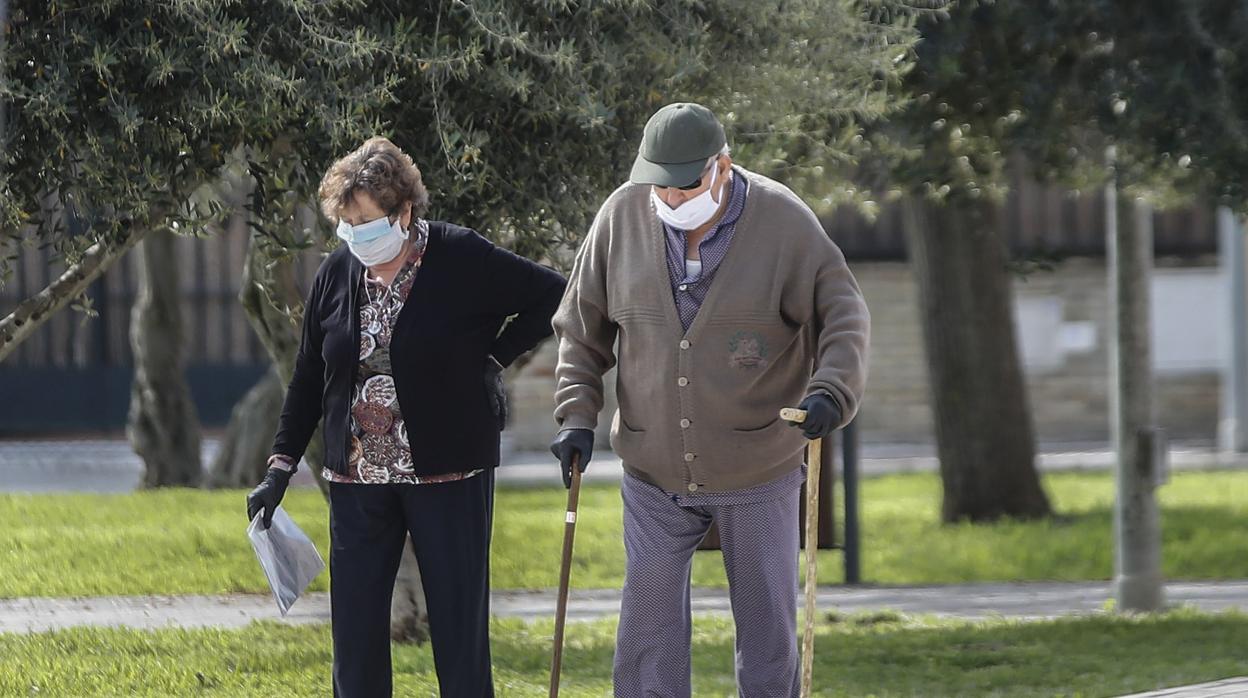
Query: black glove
497,392
568,443
822,416
268,494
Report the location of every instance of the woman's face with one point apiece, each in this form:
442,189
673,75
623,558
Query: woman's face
363,208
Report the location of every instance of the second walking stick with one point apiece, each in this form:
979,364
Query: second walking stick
565,574
814,459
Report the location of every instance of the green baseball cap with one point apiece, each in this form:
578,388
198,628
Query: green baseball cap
676,144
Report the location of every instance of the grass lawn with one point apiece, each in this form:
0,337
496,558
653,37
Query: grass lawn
877,655
191,541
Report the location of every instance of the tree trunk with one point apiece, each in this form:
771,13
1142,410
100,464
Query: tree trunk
270,298
163,427
248,439
275,310
31,313
979,400
4,30
409,614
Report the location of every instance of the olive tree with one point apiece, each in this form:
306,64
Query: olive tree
523,116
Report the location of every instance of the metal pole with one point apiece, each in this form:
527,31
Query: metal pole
1233,427
1137,526
849,457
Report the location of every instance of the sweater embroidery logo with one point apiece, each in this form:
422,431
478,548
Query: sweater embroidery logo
747,350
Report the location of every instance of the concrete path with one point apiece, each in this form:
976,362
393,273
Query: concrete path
1027,601
109,465
1219,689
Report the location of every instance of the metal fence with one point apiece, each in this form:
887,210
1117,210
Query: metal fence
210,271
75,371
1039,220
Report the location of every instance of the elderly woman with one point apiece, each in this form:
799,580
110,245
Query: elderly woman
405,332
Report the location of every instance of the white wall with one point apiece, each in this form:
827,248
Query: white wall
1187,328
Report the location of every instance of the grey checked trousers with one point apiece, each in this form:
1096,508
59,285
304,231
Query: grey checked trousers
760,544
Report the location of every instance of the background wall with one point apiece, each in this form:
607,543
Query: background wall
74,375
1062,325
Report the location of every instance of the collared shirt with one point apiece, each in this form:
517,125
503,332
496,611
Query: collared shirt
688,289
690,284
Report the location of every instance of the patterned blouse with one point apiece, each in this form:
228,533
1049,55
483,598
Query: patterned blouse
380,452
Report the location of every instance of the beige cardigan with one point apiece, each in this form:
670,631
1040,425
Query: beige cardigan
699,409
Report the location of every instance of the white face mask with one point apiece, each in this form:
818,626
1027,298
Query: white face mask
375,242
694,212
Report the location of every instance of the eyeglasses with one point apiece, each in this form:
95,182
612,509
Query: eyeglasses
697,182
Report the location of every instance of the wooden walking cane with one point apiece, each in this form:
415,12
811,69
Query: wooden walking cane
814,459
565,574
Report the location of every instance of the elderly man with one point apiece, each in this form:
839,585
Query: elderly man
729,302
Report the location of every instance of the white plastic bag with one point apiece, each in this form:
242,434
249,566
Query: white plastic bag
289,559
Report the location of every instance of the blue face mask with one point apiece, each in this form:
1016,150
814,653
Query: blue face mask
375,242
364,232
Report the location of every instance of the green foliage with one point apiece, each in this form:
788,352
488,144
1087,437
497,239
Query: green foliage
817,150
119,111
523,116
1060,82
983,86
1164,84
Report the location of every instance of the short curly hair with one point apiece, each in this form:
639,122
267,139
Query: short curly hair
380,169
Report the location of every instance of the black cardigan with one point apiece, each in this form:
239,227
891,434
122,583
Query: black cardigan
465,290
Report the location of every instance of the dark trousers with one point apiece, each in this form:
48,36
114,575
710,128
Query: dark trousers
450,527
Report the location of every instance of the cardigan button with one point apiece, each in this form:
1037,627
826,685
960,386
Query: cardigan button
684,423
684,344
693,487
689,457
682,381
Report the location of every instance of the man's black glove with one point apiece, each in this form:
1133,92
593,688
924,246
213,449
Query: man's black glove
567,444
822,416
497,391
268,494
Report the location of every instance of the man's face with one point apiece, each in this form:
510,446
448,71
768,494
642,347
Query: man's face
675,196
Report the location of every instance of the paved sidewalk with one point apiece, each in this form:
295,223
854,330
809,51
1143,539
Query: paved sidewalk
1024,601
109,465
1216,689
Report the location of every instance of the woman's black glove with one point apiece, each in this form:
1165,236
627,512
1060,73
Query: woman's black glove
822,416
567,444
268,494
497,391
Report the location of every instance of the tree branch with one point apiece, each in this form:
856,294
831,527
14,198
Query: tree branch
31,313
